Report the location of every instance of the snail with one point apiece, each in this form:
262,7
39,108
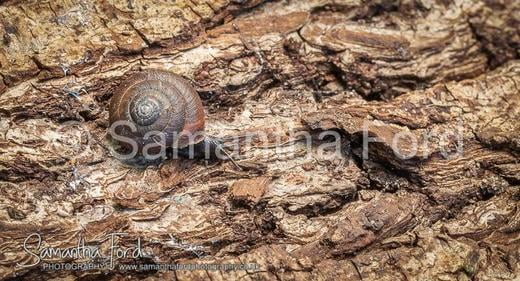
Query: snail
153,110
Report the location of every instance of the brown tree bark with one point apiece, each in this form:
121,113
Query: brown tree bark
436,75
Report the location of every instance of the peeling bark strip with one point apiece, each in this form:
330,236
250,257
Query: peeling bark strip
431,86
47,39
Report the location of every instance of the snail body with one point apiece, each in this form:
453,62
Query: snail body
156,107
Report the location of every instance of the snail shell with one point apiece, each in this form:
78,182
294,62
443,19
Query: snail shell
159,101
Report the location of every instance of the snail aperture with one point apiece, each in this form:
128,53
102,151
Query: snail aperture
156,102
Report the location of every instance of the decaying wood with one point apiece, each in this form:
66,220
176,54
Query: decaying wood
422,68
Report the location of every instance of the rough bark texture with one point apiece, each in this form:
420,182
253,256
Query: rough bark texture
411,67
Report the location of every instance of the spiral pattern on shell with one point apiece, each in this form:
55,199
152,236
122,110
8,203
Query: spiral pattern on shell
158,101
